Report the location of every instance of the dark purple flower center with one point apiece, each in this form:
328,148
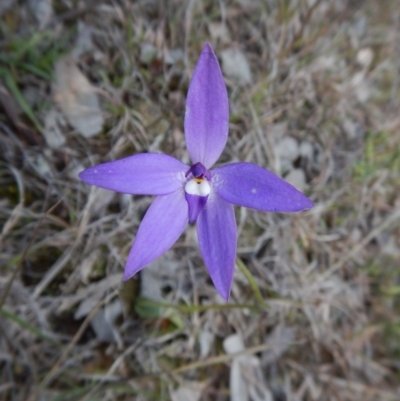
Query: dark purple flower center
199,171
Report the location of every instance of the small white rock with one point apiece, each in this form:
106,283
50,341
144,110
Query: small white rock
148,53
233,344
350,128
356,235
187,391
297,178
235,65
42,167
364,57
172,56
306,150
288,149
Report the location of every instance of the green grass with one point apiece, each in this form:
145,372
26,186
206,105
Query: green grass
378,155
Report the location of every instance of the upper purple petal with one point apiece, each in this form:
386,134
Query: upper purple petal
142,174
160,228
216,231
207,111
249,185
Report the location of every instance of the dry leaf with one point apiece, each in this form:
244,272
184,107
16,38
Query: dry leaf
89,296
151,282
103,322
237,383
52,133
206,341
219,31
76,98
5,5
84,42
280,339
246,380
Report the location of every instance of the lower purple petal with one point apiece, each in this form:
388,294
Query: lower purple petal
249,185
195,203
216,231
160,228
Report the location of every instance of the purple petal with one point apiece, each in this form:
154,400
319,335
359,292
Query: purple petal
142,174
196,204
216,231
249,185
207,111
160,228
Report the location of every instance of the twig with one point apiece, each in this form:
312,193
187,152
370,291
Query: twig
353,252
56,367
222,358
17,269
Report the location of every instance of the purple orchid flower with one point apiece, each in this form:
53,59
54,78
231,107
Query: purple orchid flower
196,194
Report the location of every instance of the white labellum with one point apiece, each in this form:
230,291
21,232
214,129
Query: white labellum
201,188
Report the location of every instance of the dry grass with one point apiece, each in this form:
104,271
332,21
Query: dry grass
314,311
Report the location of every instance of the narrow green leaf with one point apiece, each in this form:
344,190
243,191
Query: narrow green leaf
252,282
13,87
27,326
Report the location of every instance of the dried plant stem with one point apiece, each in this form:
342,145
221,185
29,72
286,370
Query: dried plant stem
57,366
18,267
359,388
222,358
354,251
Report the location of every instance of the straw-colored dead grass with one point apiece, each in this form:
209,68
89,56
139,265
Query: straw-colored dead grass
314,97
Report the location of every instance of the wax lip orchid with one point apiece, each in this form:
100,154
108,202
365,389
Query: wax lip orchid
196,193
